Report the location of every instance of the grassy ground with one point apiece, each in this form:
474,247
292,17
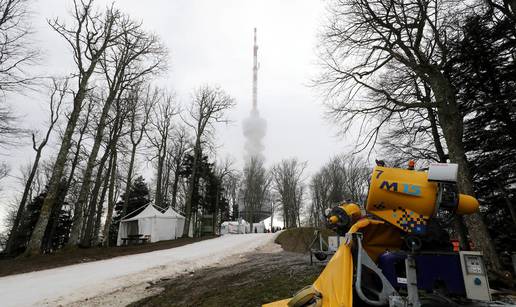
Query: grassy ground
298,240
261,278
80,255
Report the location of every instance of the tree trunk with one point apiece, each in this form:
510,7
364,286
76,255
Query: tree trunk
93,210
77,154
215,212
435,135
88,231
272,216
458,221
175,186
34,246
21,208
167,187
452,125
74,164
98,216
507,200
191,188
285,215
111,200
128,180
166,184
158,198
50,232
85,188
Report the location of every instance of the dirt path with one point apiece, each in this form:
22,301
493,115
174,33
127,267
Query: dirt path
267,275
141,292
107,278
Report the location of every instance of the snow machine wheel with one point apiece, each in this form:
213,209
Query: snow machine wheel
320,256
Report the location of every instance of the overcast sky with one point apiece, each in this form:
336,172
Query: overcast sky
211,41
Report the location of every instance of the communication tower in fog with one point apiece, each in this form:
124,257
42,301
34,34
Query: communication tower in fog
255,72
253,206
254,126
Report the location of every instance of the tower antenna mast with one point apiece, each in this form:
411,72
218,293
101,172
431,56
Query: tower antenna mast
255,73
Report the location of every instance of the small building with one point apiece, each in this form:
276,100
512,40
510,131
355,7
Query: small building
258,227
152,224
180,221
235,227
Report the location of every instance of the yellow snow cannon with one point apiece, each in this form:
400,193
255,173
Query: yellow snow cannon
398,250
342,217
408,199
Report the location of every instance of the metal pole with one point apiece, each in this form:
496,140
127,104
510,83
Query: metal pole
413,295
514,262
255,72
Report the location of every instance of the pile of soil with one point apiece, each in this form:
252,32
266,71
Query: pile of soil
61,258
261,278
298,240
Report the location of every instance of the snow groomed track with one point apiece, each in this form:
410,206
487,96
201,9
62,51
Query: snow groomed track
77,282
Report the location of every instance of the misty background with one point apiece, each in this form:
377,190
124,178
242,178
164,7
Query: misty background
210,41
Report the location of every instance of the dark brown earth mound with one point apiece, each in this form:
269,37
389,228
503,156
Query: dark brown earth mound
80,255
298,240
261,278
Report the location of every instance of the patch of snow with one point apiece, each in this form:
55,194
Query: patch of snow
78,282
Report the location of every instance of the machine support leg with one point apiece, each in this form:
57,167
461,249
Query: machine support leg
413,296
320,241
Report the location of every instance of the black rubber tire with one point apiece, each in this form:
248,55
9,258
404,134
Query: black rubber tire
320,256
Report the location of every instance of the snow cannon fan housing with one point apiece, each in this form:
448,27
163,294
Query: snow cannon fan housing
408,199
342,217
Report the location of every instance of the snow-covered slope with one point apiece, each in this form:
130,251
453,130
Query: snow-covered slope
71,283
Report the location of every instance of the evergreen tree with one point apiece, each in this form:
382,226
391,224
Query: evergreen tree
138,198
58,229
484,71
207,187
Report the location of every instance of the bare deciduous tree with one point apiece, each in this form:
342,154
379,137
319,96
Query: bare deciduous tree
16,51
343,178
223,171
111,197
57,94
287,177
208,108
95,205
16,54
89,37
255,188
180,147
374,46
133,55
231,190
141,102
161,123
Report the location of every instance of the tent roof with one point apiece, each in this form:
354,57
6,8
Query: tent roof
230,223
149,211
173,213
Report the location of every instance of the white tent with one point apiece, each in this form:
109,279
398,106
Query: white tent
152,223
258,227
234,227
276,223
180,221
